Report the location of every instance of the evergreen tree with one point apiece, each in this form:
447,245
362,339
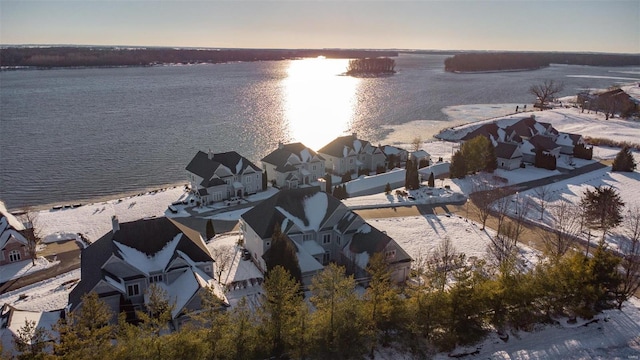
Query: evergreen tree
432,180
491,160
328,184
264,181
283,253
210,231
338,324
411,180
603,208
475,153
387,189
383,306
458,167
280,304
30,341
624,161
86,333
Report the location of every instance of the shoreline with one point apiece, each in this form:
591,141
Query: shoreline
72,204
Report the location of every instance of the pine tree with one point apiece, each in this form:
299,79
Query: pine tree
338,324
210,231
283,253
624,161
475,153
432,180
458,167
491,160
30,341
86,333
328,184
603,208
280,304
387,189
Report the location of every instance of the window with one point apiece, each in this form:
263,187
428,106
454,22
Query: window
350,161
133,290
314,168
306,237
14,255
338,239
390,254
156,278
326,257
326,239
268,243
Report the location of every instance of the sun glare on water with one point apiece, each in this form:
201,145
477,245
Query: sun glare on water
319,103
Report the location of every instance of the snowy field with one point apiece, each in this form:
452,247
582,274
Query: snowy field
571,190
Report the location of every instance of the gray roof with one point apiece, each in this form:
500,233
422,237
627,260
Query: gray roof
204,167
541,142
148,236
264,216
486,130
505,150
336,147
280,156
375,241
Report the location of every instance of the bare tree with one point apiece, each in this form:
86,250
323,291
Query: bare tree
502,248
630,263
416,143
444,259
543,195
565,226
223,256
483,197
545,91
522,209
31,233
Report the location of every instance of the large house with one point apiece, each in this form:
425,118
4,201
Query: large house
217,177
13,242
122,265
520,141
292,165
348,154
323,230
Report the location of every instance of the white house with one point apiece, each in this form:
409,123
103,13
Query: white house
122,265
13,243
216,177
508,155
292,165
348,154
322,230
568,142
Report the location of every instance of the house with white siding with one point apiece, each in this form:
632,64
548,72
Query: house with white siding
322,230
122,265
293,165
216,177
348,154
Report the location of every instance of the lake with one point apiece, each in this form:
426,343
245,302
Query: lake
75,135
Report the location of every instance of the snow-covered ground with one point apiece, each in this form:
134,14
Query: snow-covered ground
46,295
25,267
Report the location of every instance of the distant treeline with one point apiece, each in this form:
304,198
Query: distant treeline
49,57
530,61
383,65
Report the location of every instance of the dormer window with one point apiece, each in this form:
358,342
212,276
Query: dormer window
156,278
133,290
306,237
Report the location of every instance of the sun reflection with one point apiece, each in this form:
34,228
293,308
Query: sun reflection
319,103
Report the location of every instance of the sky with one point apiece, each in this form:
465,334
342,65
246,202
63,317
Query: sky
537,25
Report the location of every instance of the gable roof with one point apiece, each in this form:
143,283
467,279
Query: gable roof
506,150
489,131
371,240
10,227
140,240
280,156
525,128
337,147
541,142
304,207
205,167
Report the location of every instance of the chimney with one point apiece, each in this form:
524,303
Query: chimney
280,145
210,154
115,224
